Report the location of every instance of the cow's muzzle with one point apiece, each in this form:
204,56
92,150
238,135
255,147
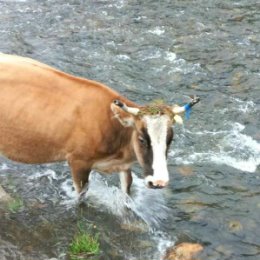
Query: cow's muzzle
154,183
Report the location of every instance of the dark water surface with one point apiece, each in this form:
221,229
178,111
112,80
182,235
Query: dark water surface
147,50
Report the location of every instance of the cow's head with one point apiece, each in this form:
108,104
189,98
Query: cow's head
152,136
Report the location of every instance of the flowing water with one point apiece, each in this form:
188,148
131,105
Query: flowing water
147,50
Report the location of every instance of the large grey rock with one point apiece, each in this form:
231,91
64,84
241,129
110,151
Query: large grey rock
10,251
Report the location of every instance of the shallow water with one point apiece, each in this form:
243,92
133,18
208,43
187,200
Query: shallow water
150,50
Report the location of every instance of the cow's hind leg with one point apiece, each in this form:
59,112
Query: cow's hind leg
126,181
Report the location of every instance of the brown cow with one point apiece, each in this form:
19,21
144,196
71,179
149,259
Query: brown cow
48,116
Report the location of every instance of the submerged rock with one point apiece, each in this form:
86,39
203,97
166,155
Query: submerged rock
235,226
4,196
11,251
185,170
183,251
135,226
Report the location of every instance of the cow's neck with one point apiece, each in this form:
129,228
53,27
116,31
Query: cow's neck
122,158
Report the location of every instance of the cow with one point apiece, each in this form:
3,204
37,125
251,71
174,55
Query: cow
47,115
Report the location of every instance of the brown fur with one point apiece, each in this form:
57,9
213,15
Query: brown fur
47,116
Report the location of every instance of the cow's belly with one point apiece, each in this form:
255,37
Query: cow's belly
35,154
23,146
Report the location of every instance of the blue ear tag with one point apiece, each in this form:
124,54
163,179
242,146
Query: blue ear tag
187,111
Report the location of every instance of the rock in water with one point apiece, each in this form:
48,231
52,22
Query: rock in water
183,251
4,197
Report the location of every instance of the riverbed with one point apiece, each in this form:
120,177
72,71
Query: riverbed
147,50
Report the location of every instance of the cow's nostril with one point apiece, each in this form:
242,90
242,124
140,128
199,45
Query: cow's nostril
156,187
150,184
160,184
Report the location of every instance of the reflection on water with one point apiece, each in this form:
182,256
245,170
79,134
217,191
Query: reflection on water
148,50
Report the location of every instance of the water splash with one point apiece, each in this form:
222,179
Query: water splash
146,209
149,206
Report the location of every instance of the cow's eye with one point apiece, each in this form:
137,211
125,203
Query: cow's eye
142,141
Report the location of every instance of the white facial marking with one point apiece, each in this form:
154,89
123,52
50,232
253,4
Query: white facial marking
157,130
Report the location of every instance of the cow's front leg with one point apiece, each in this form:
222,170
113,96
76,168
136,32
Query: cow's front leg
80,178
80,171
126,180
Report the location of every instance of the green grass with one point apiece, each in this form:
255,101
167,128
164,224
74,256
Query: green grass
84,245
15,204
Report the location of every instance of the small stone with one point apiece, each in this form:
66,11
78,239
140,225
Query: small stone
235,226
185,170
145,244
225,250
38,205
238,18
183,251
194,86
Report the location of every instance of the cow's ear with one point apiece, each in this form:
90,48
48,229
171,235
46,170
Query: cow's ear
126,119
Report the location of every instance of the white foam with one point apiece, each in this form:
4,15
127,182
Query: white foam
157,31
231,147
123,57
182,66
163,243
170,56
118,4
50,174
148,204
206,132
23,1
249,165
244,106
153,55
4,166
68,194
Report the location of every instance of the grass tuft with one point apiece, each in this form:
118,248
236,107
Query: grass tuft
84,245
157,102
15,204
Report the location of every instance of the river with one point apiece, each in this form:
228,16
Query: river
147,50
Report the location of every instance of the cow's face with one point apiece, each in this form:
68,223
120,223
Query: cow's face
151,140
152,136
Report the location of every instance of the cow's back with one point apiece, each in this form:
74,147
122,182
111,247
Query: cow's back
45,113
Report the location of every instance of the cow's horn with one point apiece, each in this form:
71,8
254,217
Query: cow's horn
178,110
131,110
